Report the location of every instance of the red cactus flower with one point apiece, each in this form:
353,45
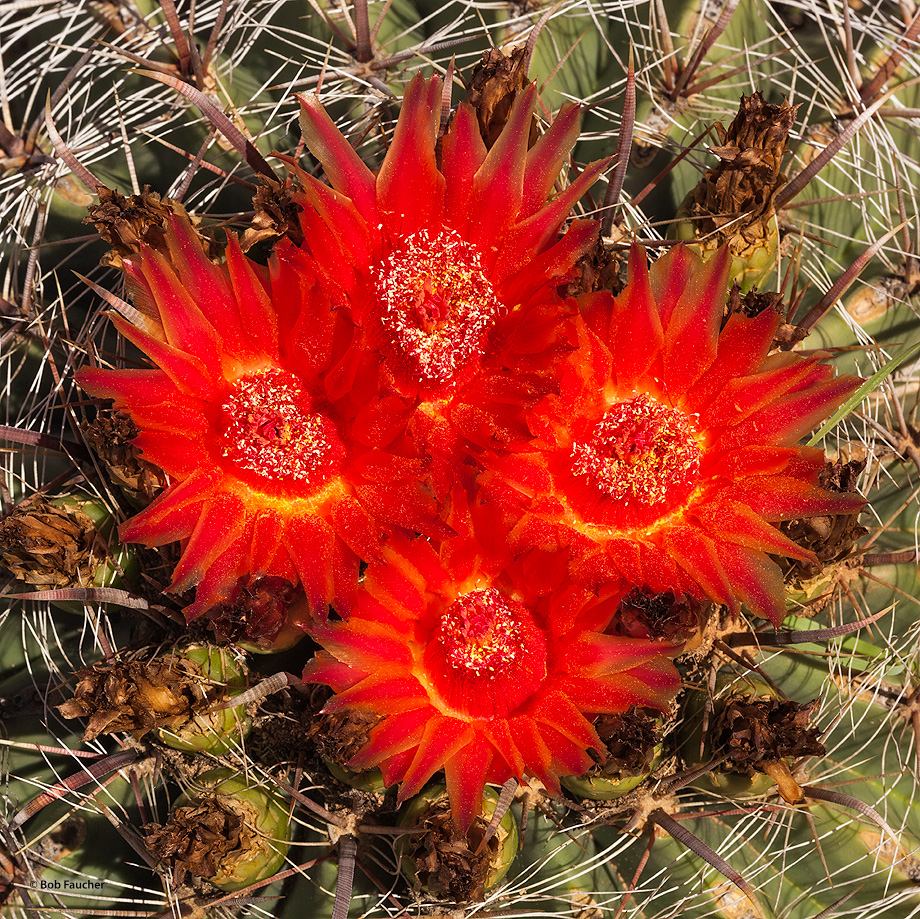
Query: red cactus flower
438,262
244,413
671,450
474,672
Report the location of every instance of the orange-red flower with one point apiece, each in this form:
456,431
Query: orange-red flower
446,255
470,670
246,414
671,450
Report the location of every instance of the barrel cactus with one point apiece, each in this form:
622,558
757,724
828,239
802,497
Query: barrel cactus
459,458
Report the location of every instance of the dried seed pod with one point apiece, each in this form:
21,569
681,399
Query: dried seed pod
227,830
276,214
172,695
633,751
49,546
65,542
760,734
734,202
446,864
214,732
757,732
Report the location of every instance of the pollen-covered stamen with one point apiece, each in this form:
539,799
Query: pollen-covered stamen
270,429
437,304
485,656
641,451
480,633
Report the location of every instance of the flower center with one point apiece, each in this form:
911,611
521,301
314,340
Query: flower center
437,304
641,451
488,655
479,632
271,430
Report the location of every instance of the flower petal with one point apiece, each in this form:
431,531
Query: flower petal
173,514
410,190
546,157
462,154
693,326
442,739
759,582
498,186
465,773
343,167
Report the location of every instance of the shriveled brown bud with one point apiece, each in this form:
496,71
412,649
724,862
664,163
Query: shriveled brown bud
494,85
276,214
174,692
50,546
749,175
110,436
598,269
135,696
632,749
263,613
233,833
759,732
198,837
445,863
339,735
630,738
753,303
126,221
734,202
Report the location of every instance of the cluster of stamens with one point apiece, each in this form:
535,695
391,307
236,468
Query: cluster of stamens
437,304
641,451
269,429
480,633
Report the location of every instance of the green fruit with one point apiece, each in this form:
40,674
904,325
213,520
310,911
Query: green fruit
213,732
596,786
370,781
267,829
752,264
120,568
469,878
